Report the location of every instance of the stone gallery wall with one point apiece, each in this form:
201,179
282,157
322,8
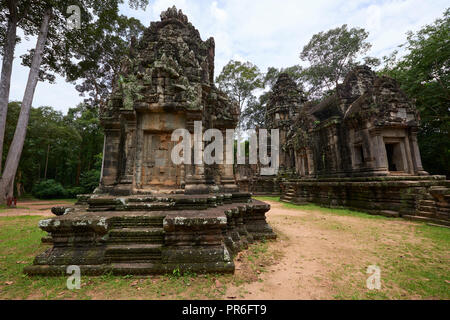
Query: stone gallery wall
415,198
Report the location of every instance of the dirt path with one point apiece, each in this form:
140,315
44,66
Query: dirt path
321,253
34,208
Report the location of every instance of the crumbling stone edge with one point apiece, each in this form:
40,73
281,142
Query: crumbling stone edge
203,241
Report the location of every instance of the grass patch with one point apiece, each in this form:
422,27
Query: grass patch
276,199
314,207
4,207
336,211
20,243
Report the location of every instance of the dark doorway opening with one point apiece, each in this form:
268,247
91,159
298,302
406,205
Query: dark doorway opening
393,153
359,153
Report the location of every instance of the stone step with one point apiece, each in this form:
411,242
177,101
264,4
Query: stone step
144,221
427,202
136,235
146,206
156,203
427,208
134,252
427,214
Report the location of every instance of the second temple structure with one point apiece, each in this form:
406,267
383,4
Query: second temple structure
356,149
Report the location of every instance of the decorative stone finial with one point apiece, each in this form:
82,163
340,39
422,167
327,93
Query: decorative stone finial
173,13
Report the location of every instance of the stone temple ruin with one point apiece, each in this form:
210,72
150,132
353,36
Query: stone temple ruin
149,215
356,149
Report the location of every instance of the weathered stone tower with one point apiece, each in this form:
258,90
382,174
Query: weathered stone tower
166,83
284,105
150,215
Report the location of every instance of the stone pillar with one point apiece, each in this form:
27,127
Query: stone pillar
227,179
195,175
378,151
415,153
139,136
110,168
408,156
310,156
129,150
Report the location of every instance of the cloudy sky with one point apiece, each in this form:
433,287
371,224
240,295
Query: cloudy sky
265,32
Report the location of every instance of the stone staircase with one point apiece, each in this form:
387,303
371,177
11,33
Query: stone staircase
289,195
426,208
135,239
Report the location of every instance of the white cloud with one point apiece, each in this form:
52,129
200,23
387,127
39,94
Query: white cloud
218,13
265,32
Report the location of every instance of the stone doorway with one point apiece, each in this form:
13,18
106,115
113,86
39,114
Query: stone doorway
157,166
395,157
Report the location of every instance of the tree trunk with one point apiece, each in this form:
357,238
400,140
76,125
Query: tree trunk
46,162
77,178
5,82
15,150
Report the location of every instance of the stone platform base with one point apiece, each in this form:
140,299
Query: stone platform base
260,185
417,198
140,235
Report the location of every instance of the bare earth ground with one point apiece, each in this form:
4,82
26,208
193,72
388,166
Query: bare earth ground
326,256
34,208
319,254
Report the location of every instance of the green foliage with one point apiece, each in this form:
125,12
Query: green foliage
240,80
296,72
91,55
332,55
255,114
89,180
424,75
49,189
74,191
67,145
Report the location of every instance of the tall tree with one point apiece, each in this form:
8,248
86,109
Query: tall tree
424,74
100,56
15,150
50,139
239,80
331,55
12,16
56,56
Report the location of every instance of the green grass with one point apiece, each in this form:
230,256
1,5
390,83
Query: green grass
422,268
314,207
335,211
4,207
20,242
276,199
